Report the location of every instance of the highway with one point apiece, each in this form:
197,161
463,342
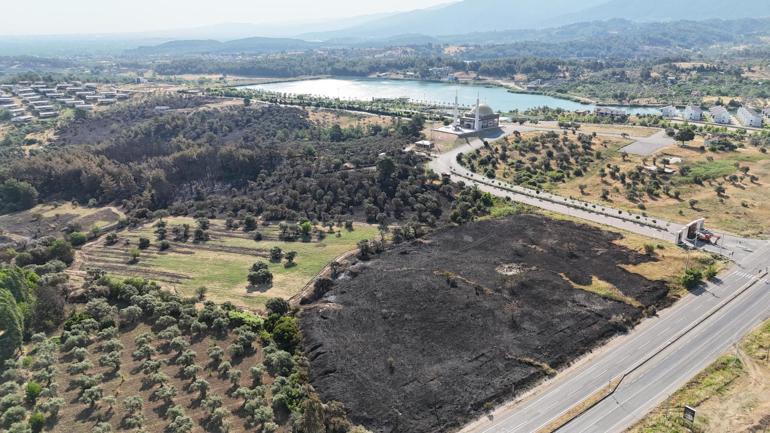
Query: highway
684,339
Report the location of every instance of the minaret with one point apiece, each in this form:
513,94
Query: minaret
457,110
477,125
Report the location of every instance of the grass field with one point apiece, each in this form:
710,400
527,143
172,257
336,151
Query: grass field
741,210
222,263
729,396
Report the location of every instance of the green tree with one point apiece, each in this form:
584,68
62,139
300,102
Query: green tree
286,333
11,325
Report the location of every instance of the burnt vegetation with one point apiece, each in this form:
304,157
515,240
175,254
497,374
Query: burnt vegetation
468,318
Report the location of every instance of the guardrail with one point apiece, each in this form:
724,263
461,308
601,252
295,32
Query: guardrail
660,350
574,204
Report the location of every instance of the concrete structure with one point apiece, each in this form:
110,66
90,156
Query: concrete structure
480,118
424,144
610,112
670,112
749,117
719,114
693,113
22,119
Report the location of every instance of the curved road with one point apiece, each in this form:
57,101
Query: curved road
662,353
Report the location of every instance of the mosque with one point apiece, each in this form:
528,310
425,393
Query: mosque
479,119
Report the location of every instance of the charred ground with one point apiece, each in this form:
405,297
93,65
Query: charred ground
420,339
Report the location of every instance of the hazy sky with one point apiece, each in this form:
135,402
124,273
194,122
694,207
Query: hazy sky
25,17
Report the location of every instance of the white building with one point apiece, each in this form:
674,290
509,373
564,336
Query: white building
693,113
669,112
720,115
749,117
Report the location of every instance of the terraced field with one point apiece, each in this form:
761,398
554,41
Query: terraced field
222,263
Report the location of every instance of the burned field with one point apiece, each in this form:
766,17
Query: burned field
428,334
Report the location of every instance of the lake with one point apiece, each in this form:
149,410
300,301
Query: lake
365,89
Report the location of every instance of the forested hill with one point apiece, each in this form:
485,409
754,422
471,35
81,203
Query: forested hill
267,161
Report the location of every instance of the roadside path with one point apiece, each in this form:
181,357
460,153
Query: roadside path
672,364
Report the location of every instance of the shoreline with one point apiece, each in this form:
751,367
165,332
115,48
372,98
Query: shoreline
487,83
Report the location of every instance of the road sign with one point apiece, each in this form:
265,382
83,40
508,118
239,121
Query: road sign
689,414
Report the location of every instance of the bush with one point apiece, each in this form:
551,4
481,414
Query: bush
260,277
32,391
164,245
692,278
77,239
37,421
144,243
277,306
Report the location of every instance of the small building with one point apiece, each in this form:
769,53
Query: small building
15,112
161,108
669,112
22,119
424,144
693,113
48,114
122,96
39,103
44,108
90,86
85,107
106,101
74,103
719,114
749,117
5,100
608,112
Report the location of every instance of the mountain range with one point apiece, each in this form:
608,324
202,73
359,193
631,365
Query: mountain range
470,16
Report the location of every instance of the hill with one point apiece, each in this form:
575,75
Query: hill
471,16
463,17
246,45
668,10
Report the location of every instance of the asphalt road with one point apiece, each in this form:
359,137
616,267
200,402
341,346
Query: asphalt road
714,318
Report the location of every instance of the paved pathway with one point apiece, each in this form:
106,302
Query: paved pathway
645,146
674,346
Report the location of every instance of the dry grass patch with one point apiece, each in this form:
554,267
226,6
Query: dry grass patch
730,395
605,290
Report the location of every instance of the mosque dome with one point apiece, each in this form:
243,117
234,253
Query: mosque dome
484,110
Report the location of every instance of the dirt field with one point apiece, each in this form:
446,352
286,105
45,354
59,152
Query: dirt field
222,263
470,317
50,219
730,396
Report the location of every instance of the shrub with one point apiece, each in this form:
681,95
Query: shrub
32,391
286,334
692,278
277,306
77,239
37,421
260,277
164,245
144,243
